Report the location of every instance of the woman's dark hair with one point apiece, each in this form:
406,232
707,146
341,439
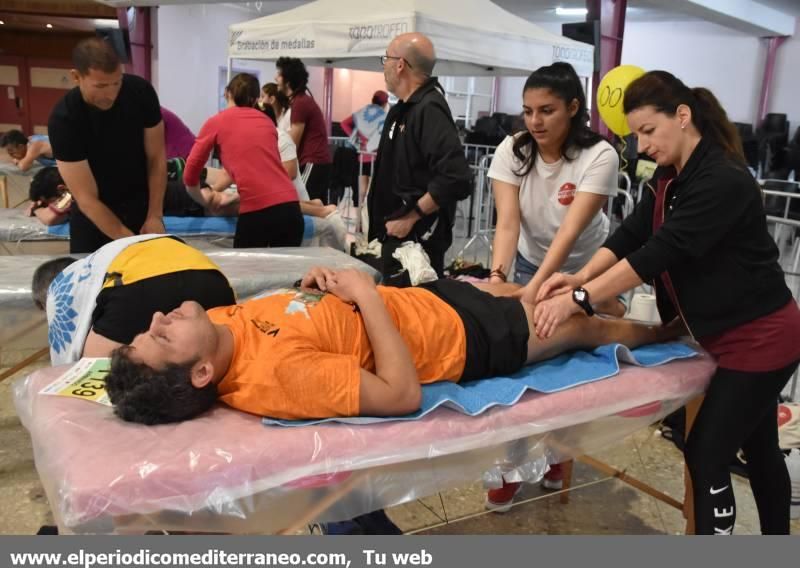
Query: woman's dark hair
271,90
270,112
142,394
561,80
13,138
665,92
44,185
294,73
243,89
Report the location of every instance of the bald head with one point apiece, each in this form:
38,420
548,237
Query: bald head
418,50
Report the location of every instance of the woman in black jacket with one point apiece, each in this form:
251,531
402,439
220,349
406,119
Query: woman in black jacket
700,237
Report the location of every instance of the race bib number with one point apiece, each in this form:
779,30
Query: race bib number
85,380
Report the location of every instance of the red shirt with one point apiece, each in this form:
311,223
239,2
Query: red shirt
248,144
764,344
313,147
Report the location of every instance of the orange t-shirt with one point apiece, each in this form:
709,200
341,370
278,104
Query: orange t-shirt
298,354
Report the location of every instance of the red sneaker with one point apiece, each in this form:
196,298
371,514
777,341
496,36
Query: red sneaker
554,478
500,500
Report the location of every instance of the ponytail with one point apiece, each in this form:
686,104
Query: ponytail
712,122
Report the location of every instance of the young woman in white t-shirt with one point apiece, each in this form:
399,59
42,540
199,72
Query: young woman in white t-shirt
550,183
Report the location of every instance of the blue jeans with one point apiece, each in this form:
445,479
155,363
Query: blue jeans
523,270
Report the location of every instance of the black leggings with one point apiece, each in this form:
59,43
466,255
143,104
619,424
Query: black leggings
281,225
739,411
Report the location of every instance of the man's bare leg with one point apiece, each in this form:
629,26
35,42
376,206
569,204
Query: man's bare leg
612,307
584,332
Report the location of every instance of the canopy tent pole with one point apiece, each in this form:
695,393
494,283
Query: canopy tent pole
773,43
611,15
327,99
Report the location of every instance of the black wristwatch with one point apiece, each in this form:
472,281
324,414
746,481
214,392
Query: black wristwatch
418,210
581,297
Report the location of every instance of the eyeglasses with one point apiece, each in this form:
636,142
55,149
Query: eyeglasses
385,58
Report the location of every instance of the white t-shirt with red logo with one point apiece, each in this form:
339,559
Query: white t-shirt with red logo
546,192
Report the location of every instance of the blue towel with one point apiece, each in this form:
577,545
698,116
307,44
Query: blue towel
182,226
563,372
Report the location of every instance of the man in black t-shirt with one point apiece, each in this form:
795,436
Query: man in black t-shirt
108,141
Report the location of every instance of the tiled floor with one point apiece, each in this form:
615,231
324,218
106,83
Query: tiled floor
606,507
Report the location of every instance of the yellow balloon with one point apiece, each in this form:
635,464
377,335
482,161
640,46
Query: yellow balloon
609,97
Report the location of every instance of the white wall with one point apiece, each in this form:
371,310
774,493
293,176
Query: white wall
191,47
729,63
702,54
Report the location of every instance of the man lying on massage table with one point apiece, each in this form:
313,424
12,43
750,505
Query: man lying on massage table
51,200
142,275
339,346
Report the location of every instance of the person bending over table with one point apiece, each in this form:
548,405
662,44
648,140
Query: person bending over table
108,140
338,346
700,237
269,211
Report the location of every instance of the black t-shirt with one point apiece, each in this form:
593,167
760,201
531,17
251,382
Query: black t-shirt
111,140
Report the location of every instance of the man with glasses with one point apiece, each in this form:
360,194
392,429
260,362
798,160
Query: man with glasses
420,169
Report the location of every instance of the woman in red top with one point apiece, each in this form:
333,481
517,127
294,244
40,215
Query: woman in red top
700,237
269,213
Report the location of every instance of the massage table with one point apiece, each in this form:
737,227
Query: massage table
226,472
14,183
23,234
23,328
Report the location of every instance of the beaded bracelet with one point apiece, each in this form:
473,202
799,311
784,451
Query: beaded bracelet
499,273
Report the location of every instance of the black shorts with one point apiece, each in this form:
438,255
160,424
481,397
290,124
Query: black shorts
365,168
281,225
178,202
496,328
123,312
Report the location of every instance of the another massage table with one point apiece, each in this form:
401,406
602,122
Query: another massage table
23,234
226,472
23,328
14,183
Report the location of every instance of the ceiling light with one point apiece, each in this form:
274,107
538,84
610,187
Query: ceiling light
49,26
2,22
571,11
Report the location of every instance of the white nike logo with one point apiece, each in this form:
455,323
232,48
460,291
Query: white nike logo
715,491
726,532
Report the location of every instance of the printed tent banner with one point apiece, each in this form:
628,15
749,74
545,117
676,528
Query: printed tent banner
471,37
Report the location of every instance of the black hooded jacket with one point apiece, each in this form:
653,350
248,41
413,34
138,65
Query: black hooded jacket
713,243
419,153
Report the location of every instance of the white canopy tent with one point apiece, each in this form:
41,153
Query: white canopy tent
472,37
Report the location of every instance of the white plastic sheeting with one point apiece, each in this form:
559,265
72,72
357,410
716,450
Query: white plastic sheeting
226,472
